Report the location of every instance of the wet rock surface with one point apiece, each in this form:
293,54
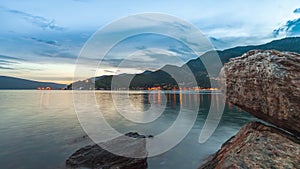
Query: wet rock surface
97,157
267,85
257,146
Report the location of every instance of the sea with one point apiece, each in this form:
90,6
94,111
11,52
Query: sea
41,129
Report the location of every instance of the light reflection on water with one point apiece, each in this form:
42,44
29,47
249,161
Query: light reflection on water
40,129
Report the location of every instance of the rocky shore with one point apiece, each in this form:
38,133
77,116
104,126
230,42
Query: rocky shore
257,145
267,85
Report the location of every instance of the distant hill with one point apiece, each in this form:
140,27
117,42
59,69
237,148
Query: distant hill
291,44
161,78
17,83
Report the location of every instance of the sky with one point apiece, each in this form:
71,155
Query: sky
41,40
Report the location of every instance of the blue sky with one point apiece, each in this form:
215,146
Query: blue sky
41,40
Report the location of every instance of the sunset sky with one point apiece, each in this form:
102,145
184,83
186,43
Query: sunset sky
41,40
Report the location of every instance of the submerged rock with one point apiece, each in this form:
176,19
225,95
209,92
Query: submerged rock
267,85
96,157
257,146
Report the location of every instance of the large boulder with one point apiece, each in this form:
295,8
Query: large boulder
267,85
97,157
257,146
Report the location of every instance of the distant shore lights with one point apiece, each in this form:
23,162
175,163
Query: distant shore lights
187,88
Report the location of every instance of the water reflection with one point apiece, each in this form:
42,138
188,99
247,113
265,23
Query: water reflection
44,99
141,101
159,102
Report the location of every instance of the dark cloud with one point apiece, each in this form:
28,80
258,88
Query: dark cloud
112,62
31,69
6,62
291,28
48,42
36,20
141,47
109,71
13,65
5,57
56,53
297,10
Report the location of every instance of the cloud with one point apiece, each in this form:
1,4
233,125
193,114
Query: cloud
11,58
111,62
56,53
109,71
182,50
290,28
31,69
39,21
57,78
296,11
47,42
6,62
148,59
46,33
6,68
141,47
143,52
156,52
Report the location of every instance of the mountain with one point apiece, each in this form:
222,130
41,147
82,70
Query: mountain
161,78
290,44
17,83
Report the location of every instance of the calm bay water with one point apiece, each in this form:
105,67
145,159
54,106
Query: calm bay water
40,129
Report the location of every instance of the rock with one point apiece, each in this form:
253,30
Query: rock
257,146
267,85
79,139
96,157
137,135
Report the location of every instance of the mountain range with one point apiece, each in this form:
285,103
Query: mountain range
162,79
18,83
